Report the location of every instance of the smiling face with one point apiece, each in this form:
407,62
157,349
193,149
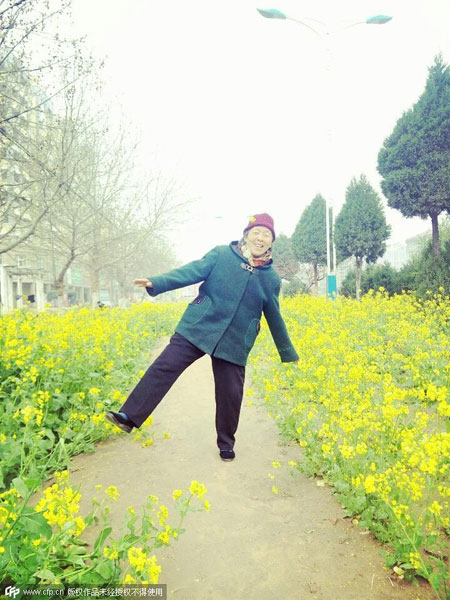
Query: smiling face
259,239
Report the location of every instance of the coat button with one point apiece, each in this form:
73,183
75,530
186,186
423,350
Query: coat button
247,267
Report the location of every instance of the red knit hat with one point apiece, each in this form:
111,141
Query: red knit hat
262,219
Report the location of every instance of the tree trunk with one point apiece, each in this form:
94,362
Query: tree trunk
59,282
95,286
315,286
435,235
358,277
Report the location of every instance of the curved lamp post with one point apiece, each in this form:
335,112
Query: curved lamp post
273,13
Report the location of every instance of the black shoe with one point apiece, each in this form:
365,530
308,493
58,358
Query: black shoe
117,419
227,455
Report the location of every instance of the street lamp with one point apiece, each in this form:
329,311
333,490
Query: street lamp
273,13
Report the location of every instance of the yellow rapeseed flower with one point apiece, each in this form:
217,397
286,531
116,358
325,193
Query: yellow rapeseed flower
112,492
176,494
369,484
137,557
197,489
163,537
153,569
162,514
435,508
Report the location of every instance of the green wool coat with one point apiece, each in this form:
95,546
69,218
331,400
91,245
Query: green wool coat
224,319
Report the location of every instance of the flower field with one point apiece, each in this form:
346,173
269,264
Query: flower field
58,374
369,405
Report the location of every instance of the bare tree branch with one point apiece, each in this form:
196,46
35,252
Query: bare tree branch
15,5
37,105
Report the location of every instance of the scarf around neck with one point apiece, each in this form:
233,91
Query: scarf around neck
253,260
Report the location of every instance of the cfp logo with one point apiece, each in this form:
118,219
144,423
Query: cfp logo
12,591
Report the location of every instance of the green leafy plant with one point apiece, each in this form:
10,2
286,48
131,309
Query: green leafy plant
43,545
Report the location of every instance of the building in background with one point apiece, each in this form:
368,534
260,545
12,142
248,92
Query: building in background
27,279
28,274
397,255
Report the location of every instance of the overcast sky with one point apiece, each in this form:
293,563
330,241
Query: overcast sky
256,115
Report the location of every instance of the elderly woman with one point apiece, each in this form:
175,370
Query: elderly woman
239,284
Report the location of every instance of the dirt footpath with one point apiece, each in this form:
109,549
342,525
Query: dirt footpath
253,544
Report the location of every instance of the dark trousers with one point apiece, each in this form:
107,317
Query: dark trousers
165,370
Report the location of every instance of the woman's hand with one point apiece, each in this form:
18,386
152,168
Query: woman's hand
142,282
